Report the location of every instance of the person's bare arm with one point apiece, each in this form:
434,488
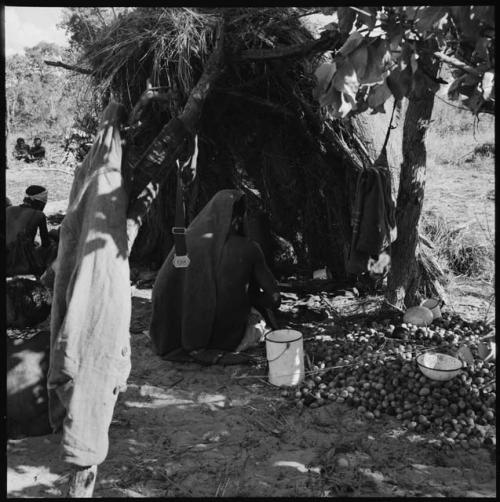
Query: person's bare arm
264,277
44,233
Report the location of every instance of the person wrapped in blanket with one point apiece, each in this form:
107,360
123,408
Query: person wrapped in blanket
22,222
204,312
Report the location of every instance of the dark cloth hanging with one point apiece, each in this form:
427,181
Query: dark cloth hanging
373,218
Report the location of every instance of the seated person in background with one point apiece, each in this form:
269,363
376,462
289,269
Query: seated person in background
200,313
21,150
37,151
22,223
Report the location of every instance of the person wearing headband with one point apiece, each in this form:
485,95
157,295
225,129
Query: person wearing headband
23,222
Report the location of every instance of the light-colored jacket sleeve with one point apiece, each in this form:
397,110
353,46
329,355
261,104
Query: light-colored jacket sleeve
90,346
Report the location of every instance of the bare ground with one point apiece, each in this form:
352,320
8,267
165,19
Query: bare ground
186,430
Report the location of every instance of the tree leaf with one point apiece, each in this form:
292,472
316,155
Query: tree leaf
393,28
324,75
330,98
346,19
378,109
347,105
482,49
395,44
475,102
462,17
337,104
410,11
352,43
367,16
430,19
406,53
379,94
465,84
379,59
484,13
346,80
359,60
330,27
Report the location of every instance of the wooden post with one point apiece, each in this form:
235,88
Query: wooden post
82,481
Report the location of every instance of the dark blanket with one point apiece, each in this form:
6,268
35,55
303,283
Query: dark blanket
184,300
373,219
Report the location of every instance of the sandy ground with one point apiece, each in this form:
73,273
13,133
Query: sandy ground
186,430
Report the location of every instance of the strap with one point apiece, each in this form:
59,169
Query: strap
382,159
181,259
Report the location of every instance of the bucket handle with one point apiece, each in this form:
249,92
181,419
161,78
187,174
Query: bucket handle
277,357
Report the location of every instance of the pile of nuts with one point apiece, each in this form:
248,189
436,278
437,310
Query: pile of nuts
373,368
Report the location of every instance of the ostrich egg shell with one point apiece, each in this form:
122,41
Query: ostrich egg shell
419,316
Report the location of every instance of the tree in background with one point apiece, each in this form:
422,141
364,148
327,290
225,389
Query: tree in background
83,24
42,100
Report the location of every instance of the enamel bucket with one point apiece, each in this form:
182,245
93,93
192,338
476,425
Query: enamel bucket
285,356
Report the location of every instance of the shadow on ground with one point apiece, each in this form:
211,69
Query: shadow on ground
187,430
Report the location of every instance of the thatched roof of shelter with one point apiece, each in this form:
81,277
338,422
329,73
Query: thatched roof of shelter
261,131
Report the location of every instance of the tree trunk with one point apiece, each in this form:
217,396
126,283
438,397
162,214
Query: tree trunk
372,130
404,278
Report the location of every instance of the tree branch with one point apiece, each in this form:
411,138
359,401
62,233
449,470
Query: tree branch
66,66
328,41
457,63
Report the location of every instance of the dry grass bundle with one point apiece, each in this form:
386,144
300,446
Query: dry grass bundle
170,44
150,42
457,250
260,131
432,277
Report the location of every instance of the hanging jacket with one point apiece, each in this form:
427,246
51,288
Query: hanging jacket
90,346
373,218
